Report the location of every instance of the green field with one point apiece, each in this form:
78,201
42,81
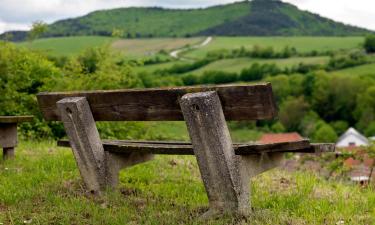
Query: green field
302,44
368,69
238,64
67,45
42,186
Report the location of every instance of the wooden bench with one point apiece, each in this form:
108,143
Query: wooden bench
8,133
225,168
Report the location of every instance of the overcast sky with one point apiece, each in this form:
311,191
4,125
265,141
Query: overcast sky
19,14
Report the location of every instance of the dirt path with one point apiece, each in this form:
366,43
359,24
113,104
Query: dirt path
176,52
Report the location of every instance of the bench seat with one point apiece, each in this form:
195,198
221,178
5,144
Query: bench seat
185,148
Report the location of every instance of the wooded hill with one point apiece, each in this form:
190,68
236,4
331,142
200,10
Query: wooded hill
255,18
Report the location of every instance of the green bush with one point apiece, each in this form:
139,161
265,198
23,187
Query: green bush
369,44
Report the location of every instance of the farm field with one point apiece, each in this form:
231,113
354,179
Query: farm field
42,186
302,44
368,69
145,47
238,64
148,47
134,48
66,46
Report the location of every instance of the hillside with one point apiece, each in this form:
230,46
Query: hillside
255,18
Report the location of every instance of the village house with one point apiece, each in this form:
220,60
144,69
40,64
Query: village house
352,138
355,142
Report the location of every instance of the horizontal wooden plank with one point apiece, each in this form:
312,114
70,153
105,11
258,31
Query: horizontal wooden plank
185,148
240,102
15,119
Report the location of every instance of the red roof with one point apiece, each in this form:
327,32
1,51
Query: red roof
350,162
277,138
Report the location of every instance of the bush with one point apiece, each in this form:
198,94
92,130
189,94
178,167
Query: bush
369,44
325,133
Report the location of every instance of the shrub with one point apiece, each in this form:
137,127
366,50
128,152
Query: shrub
369,44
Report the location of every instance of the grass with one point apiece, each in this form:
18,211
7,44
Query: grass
42,186
133,48
147,47
238,64
302,44
363,70
66,46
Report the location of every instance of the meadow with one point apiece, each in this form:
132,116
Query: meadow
66,46
302,44
42,186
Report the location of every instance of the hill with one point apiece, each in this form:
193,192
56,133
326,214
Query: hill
255,18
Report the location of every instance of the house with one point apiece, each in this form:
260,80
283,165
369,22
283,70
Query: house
278,138
352,138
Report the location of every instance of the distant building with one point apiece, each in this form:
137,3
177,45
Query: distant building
352,138
278,138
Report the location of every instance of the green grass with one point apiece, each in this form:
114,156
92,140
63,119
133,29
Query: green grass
66,46
368,69
132,48
42,185
302,44
238,64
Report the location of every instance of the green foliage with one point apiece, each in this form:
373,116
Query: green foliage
38,28
292,111
339,126
22,75
365,110
276,18
325,133
370,130
369,44
148,22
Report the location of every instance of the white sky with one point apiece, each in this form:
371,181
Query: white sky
19,14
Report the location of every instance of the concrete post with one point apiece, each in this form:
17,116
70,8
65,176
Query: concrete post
212,145
84,138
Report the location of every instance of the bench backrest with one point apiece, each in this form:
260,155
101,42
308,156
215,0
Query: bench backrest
240,102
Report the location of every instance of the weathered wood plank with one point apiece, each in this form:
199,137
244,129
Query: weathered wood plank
15,119
185,148
240,102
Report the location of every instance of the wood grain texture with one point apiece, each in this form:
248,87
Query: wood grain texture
15,119
240,102
185,148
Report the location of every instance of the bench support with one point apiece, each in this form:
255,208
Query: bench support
84,138
226,176
8,139
116,162
212,145
99,169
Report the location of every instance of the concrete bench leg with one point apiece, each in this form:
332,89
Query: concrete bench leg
8,153
219,166
98,169
84,138
8,139
116,162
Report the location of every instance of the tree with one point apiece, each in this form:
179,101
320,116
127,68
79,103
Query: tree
369,44
292,111
325,133
117,33
37,29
